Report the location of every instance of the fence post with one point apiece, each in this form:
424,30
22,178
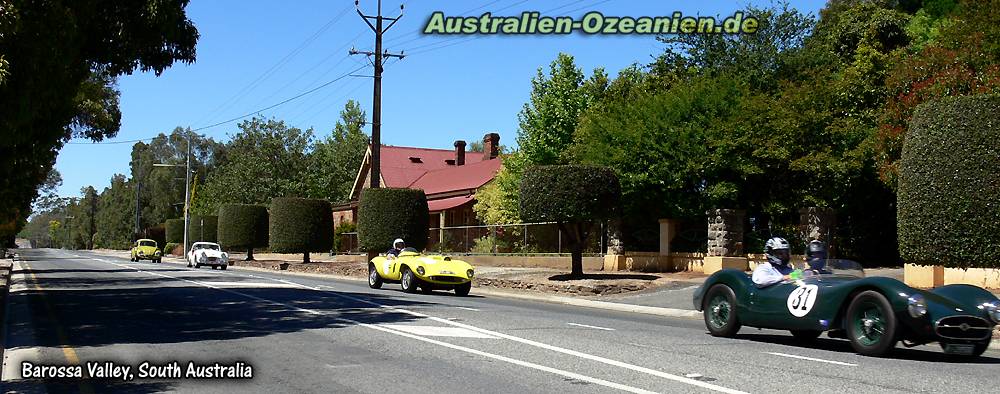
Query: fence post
559,244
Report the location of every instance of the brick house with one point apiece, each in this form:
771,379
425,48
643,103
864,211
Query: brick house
450,178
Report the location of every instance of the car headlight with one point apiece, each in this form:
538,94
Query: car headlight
993,310
157,252
916,305
470,273
420,270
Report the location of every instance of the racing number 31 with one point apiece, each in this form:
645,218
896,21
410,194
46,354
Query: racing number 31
802,299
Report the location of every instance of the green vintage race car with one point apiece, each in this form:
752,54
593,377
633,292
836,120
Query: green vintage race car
428,272
874,313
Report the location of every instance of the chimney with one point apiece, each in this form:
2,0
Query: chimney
491,146
459,153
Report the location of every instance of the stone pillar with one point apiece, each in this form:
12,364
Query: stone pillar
725,240
614,258
668,230
818,224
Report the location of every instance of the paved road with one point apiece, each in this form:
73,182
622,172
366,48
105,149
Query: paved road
318,335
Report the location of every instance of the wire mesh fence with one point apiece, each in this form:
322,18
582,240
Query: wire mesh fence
525,238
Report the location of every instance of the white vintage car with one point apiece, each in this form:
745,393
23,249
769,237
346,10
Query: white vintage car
207,253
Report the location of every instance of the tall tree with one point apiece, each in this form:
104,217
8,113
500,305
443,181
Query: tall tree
333,161
59,65
265,159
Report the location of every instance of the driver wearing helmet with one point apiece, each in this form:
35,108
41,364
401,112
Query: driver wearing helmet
397,247
777,268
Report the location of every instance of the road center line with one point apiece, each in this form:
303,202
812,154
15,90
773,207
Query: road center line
811,359
467,308
603,360
590,326
527,364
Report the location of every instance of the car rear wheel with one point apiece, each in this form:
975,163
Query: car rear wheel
871,324
463,289
223,267
720,312
408,281
806,335
374,280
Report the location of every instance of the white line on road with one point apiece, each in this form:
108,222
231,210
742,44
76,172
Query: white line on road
467,308
589,326
527,364
616,363
811,359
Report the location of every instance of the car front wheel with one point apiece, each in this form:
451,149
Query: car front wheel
720,312
408,281
871,324
374,280
463,289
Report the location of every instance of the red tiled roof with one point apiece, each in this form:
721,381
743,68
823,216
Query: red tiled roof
448,203
453,178
398,170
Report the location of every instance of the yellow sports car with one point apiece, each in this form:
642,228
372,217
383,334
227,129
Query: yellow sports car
145,249
428,272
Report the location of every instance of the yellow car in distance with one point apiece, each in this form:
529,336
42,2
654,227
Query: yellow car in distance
428,272
146,249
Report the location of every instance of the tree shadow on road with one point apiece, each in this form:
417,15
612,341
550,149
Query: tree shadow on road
95,314
568,277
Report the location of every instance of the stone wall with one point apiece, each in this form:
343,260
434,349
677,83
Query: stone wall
725,232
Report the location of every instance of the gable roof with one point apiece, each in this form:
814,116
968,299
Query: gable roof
427,169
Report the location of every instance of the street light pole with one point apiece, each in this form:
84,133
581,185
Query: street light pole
187,194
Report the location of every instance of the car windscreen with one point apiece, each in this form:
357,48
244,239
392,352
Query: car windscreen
209,247
147,243
835,267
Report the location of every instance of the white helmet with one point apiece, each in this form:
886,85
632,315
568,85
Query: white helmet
776,243
398,241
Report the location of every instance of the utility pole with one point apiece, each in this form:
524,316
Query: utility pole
187,194
138,187
377,96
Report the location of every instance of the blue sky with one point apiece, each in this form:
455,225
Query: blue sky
255,53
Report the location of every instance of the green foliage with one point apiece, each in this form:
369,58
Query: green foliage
266,159
203,229
174,230
300,225
949,184
334,161
162,194
115,224
343,227
389,213
568,193
59,68
170,246
243,226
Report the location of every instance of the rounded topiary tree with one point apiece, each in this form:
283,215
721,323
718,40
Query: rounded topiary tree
203,229
300,225
949,184
574,196
243,226
174,230
388,213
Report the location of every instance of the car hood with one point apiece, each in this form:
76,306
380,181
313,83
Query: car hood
436,264
210,253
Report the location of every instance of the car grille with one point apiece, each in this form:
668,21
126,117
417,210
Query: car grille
213,259
963,327
449,279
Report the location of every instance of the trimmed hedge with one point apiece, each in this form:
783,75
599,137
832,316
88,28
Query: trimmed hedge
243,226
203,229
949,185
300,225
568,193
388,213
174,230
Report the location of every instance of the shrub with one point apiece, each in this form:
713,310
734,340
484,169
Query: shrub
243,227
574,196
389,213
203,229
300,225
344,227
174,230
171,246
949,184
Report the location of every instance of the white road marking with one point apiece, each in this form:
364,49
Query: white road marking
438,331
467,308
589,326
693,375
527,364
251,284
812,359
